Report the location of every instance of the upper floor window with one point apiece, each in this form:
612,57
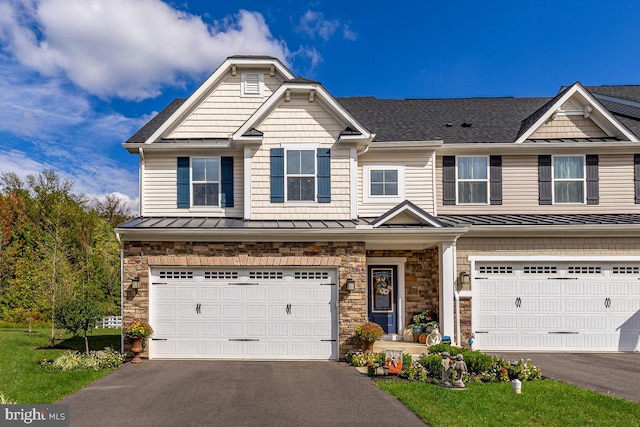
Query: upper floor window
383,183
568,179
473,179
252,84
205,181
301,175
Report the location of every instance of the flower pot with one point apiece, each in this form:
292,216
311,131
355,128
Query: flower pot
367,346
136,349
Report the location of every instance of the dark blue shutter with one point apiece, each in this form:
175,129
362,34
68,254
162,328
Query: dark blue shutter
593,187
636,177
449,180
277,175
226,182
545,190
324,175
495,180
183,182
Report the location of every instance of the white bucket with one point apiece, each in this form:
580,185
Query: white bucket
517,386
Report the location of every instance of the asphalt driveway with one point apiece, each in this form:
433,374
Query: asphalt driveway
224,393
617,374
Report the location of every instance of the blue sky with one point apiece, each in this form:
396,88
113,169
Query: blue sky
78,77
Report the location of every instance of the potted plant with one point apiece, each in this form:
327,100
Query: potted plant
368,333
424,322
137,331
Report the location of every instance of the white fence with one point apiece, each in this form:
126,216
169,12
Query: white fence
110,322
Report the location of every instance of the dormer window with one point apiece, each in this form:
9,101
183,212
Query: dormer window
252,84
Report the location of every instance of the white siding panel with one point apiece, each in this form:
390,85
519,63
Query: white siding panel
301,122
160,186
418,180
520,189
223,111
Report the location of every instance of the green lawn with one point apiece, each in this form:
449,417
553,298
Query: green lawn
22,379
542,403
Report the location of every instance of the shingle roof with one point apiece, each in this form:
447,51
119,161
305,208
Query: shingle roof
152,125
490,119
454,120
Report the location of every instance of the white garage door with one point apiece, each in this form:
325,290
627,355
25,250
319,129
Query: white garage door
556,306
243,314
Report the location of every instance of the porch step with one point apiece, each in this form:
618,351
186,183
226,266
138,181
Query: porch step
413,348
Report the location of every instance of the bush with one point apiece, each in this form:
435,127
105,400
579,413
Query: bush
478,363
75,361
432,363
406,360
414,372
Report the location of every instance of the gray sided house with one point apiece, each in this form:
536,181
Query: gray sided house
274,218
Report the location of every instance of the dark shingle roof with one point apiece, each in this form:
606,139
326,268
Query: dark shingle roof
630,92
491,119
152,125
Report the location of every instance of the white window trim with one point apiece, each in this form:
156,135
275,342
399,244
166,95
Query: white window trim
243,91
584,180
204,208
301,147
487,180
366,180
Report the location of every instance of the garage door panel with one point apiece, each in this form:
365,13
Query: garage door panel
559,305
278,317
210,329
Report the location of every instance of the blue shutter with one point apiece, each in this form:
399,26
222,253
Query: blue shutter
324,175
226,182
183,182
277,175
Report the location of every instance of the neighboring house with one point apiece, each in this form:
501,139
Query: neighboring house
275,218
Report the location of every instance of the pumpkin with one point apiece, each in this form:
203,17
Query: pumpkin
423,338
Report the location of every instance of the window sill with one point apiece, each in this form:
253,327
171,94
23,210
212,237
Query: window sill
211,209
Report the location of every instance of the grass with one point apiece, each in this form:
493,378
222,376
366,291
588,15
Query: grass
542,403
22,379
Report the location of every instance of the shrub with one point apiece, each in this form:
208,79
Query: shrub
432,363
440,348
75,361
414,372
478,363
406,360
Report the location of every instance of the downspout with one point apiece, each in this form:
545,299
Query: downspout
140,180
456,295
121,243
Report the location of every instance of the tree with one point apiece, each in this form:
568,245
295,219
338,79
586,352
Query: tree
78,317
112,209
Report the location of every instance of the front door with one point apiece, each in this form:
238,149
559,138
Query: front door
383,299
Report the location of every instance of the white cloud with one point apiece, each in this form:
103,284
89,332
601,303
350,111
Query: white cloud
314,24
124,48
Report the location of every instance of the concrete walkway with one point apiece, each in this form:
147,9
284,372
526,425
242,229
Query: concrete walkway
223,393
617,374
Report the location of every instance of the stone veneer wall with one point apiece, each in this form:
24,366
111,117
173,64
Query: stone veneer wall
421,281
348,257
506,246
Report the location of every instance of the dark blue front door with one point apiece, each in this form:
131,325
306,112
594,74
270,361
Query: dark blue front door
383,296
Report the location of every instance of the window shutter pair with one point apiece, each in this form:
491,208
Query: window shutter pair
323,175
226,182
449,180
545,182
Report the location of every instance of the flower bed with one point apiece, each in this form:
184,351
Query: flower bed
481,367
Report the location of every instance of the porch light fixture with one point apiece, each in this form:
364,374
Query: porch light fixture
350,284
135,282
464,278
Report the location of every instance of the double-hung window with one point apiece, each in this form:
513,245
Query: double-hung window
472,179
205,181
301,175
568,179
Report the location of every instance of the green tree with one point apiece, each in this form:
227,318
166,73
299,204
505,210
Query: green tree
78,317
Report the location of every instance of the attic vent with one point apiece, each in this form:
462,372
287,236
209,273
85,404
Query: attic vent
449,125
251,84
466,125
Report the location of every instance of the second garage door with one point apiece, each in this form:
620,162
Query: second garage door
243,314
557,306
